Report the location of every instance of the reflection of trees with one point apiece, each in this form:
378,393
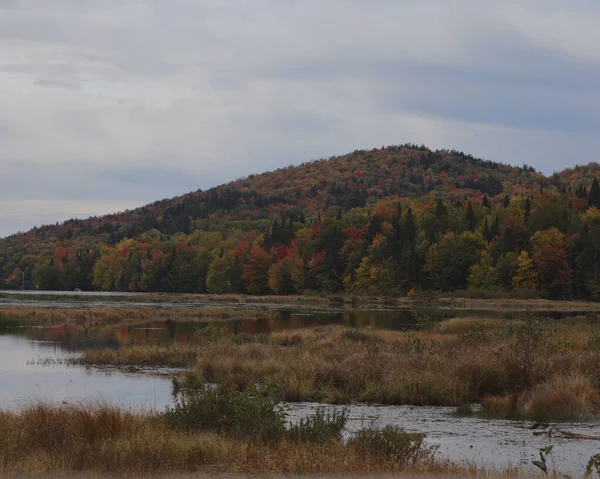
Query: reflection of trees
169,332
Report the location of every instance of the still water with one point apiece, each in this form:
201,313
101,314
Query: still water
32,368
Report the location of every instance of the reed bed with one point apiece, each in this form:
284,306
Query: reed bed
550,367
100,439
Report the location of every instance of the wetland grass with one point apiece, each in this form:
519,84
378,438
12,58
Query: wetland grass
513,367
551,367
200,438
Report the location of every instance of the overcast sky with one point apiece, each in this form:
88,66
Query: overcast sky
110,104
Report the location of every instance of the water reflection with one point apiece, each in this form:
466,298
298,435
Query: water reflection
168,332
77,338
23,379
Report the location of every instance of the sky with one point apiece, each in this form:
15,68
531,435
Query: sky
107,105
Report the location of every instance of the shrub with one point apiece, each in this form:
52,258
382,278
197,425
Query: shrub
392,443
253,414
322,427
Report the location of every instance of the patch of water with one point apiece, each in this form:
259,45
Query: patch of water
495,444
36,371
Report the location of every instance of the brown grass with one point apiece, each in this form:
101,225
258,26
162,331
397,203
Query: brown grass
98,439
562,398
115,316
178,355
448,365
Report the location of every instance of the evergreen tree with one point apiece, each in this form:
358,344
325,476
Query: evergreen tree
594,195
471,217
486,231
495,229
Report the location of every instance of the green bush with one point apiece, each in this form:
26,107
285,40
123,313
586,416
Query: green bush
253,414
322,427
392,443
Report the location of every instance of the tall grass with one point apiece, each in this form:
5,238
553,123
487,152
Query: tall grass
562,398
444,365
100,439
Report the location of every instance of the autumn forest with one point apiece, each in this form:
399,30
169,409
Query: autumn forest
392,221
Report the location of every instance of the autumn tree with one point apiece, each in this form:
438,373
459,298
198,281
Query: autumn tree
549,257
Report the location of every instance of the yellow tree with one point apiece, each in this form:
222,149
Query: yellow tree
526,277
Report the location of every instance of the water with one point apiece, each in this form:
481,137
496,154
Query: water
24,379
495,444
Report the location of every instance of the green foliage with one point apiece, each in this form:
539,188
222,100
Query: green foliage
254,413
392,443
593,465
321,427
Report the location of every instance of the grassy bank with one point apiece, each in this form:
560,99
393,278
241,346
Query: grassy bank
530,368
109,317
222,433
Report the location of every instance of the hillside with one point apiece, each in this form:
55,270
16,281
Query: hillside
380,219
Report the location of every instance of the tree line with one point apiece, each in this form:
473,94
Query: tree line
546,242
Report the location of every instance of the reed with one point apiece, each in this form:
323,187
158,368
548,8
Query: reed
99,439
563,398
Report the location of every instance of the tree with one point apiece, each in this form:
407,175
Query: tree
483,274
594,195
471,217
449,262
589,261
256,271
526,276
549,257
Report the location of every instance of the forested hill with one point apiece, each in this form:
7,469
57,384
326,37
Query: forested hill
389,220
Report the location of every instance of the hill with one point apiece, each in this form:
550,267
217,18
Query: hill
384,220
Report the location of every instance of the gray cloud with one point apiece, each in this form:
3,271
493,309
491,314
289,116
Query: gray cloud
121,103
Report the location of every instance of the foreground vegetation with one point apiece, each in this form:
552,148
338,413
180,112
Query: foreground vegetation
530,368
214,431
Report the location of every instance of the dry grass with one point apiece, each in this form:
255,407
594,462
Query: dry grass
98,439
563,398
114,316
178,355
516,304
327,364
448,365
